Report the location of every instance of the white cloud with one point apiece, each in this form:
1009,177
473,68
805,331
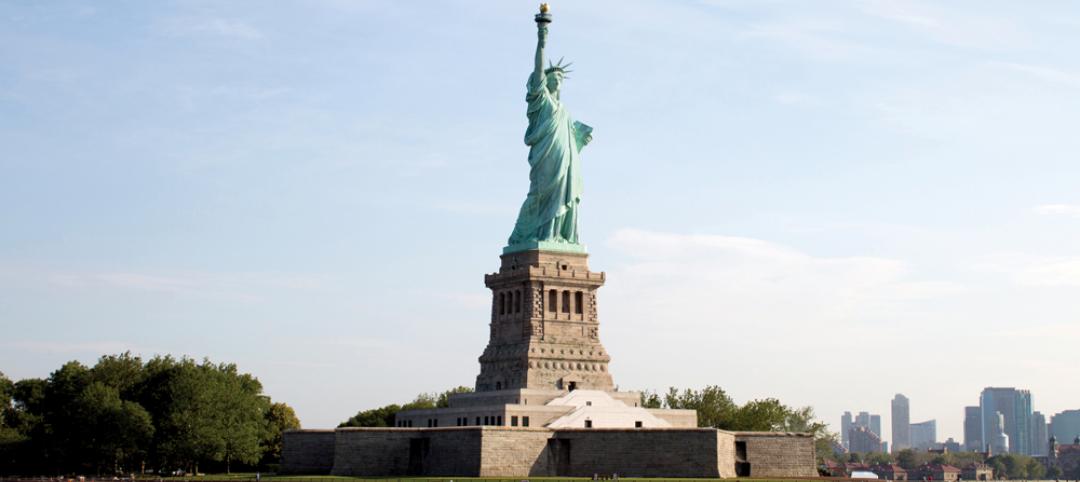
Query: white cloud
1034,270
1072,210
765,282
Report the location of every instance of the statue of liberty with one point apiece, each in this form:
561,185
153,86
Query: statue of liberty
548,217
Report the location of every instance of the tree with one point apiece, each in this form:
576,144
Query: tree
907,459
376,417
650,399
114,432
714,407
761,416
279,418
443,400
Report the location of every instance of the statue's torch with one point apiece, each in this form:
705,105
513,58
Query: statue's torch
544,17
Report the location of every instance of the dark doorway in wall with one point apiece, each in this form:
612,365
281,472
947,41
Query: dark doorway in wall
418,450
742,466
571,386
559,453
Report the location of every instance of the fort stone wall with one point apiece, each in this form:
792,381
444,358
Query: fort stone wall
673,453
777,454
307,451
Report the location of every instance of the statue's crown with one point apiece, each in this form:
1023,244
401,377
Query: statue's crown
559,67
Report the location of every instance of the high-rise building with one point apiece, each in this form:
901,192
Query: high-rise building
863,440
1065,426
1015,406
996,436
845,429
1040,436
901,421
875,425
862,419
924,435
973,441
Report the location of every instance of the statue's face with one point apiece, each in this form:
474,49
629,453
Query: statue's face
554,82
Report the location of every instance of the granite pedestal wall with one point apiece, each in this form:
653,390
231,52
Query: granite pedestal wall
537,452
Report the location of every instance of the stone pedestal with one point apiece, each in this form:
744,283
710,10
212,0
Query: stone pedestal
544,325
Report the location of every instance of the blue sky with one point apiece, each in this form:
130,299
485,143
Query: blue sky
825,202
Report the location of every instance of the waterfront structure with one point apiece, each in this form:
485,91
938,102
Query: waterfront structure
1065,457
938,472
924,435
973,441
1015,406
901,421
545,403
977,471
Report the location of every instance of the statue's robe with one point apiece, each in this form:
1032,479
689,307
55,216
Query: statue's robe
555,140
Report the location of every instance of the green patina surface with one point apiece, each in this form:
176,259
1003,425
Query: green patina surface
548,219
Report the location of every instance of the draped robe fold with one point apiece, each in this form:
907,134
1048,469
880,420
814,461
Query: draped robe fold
555,140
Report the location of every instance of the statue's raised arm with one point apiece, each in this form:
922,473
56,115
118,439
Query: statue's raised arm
548,219
541,42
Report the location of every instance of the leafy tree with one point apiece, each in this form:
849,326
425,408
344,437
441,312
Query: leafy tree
877,458
384,416
650,399
1035,469
907,459
1054,473
115,432
376,417
714,407
761,415
443,400
279,418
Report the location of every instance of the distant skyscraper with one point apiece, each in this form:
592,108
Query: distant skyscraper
924,435
862,419
863,440
973,441
875,425
901,421
845,429
1065,426
1040,436
996,436
1015,406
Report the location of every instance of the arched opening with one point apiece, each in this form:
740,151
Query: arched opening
502,303
566,301
579,301
517,301
553,300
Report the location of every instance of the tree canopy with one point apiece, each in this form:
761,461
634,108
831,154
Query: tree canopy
125,415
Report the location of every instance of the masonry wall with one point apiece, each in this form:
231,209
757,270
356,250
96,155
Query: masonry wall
516,452
725,454
779,454
307,452
636,452
373,451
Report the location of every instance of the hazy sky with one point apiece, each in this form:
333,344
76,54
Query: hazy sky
824,202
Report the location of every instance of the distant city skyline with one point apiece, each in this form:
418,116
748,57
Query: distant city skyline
1004,421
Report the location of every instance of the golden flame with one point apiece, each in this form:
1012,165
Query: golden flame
544,8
